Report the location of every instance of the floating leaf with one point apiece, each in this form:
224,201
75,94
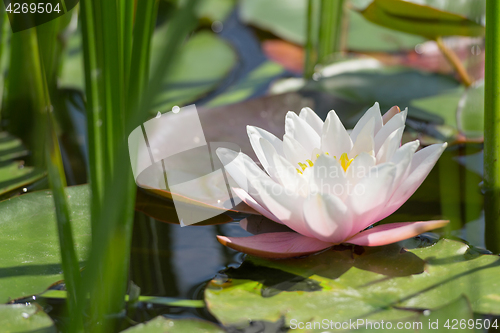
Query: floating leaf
163,325
31,260
286,19
462,109
420,19
379,283
388,86
203,62
25,318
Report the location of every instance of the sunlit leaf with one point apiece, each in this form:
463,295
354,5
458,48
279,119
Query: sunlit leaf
31,259
163,325
420,19
380,283
25,318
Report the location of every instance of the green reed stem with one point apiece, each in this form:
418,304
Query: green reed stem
322,39
311,56
492,127
105,277
330,28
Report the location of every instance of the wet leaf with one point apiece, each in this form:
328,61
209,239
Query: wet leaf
420,19
381,283
31,260
163,325
25,318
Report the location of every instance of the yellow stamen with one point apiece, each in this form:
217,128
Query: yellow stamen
298,171
303,166
310,163
345,161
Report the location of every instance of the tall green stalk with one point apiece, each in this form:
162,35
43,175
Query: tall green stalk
323,39
492,126
105,277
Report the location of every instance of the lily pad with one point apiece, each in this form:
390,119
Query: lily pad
286,19
25,318
381,283
203,62
163,325
420,19
31,260
461,109
388,86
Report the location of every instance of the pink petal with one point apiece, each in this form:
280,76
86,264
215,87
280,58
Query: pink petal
391,113
246,198
275,244
394,232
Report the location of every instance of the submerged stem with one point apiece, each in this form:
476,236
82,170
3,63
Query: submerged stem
454,62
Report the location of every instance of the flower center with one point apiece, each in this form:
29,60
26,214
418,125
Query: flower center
344,160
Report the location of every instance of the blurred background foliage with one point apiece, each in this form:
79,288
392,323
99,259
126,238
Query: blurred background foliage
73,88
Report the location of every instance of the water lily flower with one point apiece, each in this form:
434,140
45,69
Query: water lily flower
328,186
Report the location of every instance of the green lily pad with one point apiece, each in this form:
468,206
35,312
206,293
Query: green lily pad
29,243
462,109
286,19
451,315
163,325
388,86
420,19
381,283
203,62
249,85
25,318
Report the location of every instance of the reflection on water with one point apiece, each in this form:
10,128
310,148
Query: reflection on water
169,260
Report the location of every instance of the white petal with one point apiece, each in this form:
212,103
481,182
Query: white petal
396,122
246,198
370,195
301,131
329,177
402,159
327,218
364,141
312,119
334,139
255,134
289,177
422,163
360,168
294,152
287,206
391,144
371,113
284,204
